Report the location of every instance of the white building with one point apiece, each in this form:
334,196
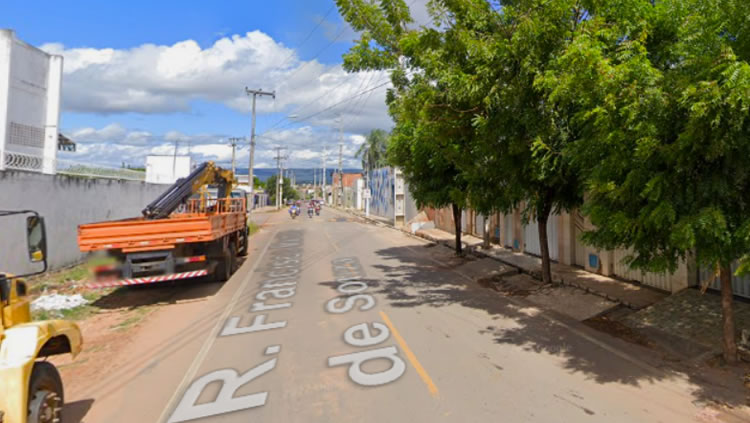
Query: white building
30,86
167,169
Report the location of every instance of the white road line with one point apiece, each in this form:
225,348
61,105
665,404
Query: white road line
193,369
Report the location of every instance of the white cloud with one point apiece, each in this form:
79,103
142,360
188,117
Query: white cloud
303,147
160,79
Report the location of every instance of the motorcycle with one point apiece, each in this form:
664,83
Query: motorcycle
309,212
294,212
317,211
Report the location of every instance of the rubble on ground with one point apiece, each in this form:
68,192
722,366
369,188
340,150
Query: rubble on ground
58,302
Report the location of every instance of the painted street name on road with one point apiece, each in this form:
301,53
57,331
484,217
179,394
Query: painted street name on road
349,276
278,285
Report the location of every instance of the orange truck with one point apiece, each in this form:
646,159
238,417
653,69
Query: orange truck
183,234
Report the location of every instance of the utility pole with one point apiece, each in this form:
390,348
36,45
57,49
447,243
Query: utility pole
280,179
323,181
341,173
315,181
234,141
174,161
255,94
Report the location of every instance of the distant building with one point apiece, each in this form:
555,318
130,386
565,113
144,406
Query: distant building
349,179
167,169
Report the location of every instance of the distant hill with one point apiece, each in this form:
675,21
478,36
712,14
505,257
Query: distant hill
303,176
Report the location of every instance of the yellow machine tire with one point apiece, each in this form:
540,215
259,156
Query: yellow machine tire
46,397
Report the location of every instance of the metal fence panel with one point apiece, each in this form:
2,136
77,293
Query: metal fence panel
531,238
508,230
656,280
740,284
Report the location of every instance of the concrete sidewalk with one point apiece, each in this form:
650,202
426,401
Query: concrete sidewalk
631,295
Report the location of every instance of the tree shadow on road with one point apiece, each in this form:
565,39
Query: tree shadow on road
418,277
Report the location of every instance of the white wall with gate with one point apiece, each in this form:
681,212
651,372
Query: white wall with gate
531,238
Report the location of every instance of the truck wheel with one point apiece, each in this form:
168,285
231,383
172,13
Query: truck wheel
45,394
232,258
245,243
227,263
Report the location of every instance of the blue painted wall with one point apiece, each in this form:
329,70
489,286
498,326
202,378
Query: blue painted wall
381,184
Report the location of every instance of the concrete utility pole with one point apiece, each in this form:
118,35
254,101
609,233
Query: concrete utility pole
234,141
255,94
315,181
323,181
341,171
280,179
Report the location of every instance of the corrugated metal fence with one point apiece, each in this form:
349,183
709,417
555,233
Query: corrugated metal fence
657,280
740,284
531,238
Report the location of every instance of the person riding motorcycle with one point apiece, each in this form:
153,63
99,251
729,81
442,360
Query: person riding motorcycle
294,211
309,211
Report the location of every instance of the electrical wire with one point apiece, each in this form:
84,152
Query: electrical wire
309,35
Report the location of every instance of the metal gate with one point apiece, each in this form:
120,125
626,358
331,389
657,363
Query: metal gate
479,225
508,225
657,280
531,238
740,284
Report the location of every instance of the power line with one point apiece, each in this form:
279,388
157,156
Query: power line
343,29
262,134
309,35
343,101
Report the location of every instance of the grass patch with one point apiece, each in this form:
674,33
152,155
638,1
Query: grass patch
64,278
75,313
252,227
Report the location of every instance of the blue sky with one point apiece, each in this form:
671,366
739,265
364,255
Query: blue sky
139,75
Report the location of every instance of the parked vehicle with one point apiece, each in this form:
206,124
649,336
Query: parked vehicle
31,390
178,237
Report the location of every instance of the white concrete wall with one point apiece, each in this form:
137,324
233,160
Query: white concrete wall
64,202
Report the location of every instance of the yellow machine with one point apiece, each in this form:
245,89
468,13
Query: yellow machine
31,390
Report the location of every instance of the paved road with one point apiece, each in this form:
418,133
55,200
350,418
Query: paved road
333,320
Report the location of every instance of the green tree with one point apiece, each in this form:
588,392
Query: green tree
257,183
287,190
488,59
373,151
426,142
663,103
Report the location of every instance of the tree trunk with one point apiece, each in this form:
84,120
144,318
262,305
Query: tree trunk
730,344
457,222
542,222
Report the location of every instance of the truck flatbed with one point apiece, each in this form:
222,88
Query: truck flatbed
140,234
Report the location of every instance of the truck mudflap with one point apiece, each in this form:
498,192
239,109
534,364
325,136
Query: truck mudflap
148,279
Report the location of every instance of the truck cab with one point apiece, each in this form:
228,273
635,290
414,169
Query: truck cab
31,390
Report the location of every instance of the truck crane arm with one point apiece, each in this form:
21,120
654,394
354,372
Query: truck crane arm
170,200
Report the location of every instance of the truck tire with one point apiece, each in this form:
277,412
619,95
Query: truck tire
227,263
45,394
245,239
